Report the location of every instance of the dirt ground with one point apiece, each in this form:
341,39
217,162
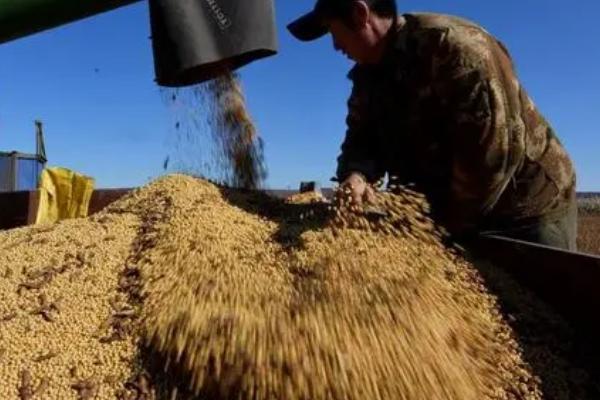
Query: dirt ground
589,233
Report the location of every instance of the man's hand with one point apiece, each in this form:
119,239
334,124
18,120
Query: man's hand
359,190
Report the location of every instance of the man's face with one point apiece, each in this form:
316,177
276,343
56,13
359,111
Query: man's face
354,43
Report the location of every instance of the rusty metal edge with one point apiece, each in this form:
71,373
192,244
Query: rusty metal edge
567,281
21,207
32,206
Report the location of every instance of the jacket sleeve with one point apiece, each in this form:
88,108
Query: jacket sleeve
480,93
358,151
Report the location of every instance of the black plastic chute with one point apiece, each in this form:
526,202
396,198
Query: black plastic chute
198,40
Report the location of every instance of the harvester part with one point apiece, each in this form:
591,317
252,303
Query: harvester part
19,18
198,40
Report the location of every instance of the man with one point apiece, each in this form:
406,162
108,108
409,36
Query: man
436,103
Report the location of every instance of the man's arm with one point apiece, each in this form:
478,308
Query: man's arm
476,82
359,149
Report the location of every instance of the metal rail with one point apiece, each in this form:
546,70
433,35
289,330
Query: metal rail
568,281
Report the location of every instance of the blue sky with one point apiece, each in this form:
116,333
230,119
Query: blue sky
91,83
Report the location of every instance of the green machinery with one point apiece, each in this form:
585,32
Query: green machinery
19,18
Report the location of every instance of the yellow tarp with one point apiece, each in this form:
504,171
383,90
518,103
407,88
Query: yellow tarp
63,194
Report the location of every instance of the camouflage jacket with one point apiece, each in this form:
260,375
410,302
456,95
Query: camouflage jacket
444,111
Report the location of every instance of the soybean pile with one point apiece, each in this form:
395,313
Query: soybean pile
188,290
65,329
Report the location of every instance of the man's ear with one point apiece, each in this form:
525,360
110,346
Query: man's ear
360,14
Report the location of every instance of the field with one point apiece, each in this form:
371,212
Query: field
589,225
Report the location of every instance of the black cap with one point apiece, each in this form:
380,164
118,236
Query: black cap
311,26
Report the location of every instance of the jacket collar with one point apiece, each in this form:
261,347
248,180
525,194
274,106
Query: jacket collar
397,42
